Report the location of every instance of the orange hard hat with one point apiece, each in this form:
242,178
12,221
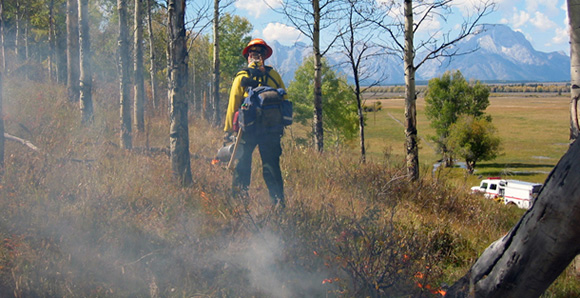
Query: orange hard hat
260,43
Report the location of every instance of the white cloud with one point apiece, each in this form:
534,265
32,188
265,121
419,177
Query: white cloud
520,18
566,20
430,25
256,8
284,34
549,7
542,22
561,36
564,7
468,7
504,7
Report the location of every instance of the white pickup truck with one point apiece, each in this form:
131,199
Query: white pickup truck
519,193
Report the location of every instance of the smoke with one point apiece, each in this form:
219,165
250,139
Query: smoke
261,258
264,260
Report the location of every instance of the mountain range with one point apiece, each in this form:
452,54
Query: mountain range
497,54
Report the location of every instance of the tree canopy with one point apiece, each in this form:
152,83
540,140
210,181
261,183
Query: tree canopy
234,32
473,139
339,103
449,97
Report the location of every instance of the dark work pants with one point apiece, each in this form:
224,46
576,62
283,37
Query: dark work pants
270,151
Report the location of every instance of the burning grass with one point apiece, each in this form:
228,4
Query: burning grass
84,218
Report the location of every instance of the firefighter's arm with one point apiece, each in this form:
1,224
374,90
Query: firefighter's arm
236,96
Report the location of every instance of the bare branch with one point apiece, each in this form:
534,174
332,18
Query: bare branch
468,28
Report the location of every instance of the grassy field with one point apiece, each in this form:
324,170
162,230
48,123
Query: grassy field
82,217
534,129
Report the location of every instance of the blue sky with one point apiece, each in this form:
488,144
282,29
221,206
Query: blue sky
543,22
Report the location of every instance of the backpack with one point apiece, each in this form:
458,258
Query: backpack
265,110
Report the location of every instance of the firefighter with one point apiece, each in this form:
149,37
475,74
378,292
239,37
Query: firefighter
256,74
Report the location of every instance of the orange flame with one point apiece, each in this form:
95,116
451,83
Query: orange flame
330,280
428,287
215,161
440,292
204,196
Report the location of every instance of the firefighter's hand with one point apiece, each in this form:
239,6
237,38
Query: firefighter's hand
228,137
256,72
247,82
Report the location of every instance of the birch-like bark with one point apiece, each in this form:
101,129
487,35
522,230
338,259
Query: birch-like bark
72,50
139,88
216,64
411,145
179,127
18,32
2,139
152,69
574,17
86,73
317,122
2,38
25,37
125,105
51,45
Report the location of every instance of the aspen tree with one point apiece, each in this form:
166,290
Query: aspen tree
139,91
86,74
178,68
125,106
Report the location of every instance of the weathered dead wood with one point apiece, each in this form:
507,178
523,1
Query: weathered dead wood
30,145
22,141
539,247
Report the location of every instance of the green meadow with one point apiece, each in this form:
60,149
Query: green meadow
534,128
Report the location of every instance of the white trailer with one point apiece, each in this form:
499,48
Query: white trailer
520,193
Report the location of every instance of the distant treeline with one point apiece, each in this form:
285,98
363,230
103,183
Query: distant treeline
493,87
530,87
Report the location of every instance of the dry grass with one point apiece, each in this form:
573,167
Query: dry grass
87,219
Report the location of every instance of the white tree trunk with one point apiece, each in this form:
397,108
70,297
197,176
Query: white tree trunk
72,50
574,17
2,38
317,123
86,74
216,64
153,69
18,32
411,144
51,41
2,139
125,105
139,94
